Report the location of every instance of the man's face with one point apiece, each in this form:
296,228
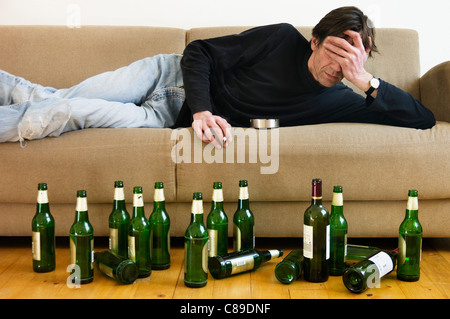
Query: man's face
325,70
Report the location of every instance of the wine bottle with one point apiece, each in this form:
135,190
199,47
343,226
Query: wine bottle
217,224
243,221
117,267
139,236
359,252
338,234
410,241
368,272
82,242
316,237
239,262
196,247
160,230
290,268
119,220
43,234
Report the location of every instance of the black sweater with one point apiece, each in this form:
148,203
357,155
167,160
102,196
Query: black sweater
263,73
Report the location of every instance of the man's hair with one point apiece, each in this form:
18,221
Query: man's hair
336,22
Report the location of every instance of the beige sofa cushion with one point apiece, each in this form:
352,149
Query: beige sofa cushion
60,57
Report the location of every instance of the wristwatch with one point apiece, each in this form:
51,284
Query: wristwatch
374,84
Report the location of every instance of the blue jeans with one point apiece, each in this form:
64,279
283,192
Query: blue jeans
146,93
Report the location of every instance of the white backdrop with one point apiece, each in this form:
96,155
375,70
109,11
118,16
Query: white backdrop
430,18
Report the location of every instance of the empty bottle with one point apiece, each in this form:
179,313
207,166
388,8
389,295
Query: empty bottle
82,242
410,241
217,224
243,221
123,270
316,237
290,268
139,236
159,230
119,220
338,234
43,234
196,247
240,261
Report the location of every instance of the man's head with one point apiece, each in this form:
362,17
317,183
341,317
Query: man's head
336,22
331,38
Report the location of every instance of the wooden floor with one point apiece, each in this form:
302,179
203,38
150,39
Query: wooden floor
18,281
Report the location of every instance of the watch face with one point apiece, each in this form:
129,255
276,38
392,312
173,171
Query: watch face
375,83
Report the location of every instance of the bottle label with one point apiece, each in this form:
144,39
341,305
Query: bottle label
237,243
42,197
197,207
205,258
241,264
307,241
114,239
81,204
118,194
159,195
138,200
308,244
212,242
132,248
36,245
383,262
274,253
217,195
243,192
412,204
338,199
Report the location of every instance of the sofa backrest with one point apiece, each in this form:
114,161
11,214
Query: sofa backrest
60,57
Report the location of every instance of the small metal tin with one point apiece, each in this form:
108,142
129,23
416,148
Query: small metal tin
264,123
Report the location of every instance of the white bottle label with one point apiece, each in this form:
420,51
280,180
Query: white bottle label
383,262
159,195
36,245
307,241
212,242
242,264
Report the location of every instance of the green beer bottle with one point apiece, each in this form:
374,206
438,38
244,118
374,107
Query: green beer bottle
290,268
117,267
316,237
368,272
196,247
338,233
240,261
410,241
159,230
359,252
139,236
217,224
119,220
82,242
43,234
243,221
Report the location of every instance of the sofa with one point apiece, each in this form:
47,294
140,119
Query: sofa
375,164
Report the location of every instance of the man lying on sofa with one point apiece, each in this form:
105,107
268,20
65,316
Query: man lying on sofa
266,72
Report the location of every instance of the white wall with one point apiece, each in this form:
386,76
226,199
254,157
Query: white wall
429,18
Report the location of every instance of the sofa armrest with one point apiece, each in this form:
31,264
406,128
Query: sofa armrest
435,91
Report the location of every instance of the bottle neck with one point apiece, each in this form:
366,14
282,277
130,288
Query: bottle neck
243,202
412,208
337,203
42,202
119,198
316,198
217,199
138,205
81,214
197,211
270,254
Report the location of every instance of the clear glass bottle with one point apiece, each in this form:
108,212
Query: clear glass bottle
139,236
43,234
119,221
82,242
217,224
410,241
160,230
290,268
241,261
316,237
243,221
196,247
338,233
